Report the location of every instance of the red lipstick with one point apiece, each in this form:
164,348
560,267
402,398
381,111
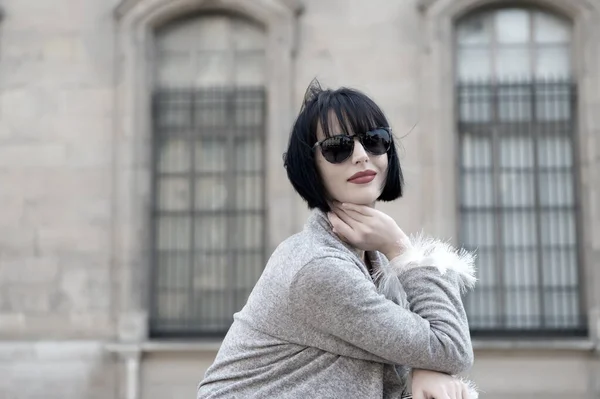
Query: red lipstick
366,176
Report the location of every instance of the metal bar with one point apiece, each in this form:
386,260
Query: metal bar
498,254
536,194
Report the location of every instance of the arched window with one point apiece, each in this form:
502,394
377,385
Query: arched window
209,174
516,113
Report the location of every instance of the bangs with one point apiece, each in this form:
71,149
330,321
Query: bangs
355,112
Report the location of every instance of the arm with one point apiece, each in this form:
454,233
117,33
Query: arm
333,296
433,274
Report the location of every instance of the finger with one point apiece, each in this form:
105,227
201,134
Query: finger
339,226
446,395
362,209
465,391
418,394
359,217
343,215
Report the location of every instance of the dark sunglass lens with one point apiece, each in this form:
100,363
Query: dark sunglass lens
377,141
337,149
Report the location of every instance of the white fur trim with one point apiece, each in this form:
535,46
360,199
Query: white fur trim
471,387
427,251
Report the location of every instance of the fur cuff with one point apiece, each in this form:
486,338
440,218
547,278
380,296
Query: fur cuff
426,251
473,394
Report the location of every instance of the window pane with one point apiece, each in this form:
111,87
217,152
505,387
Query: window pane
173,270
486,267
517,189
248,36
174,69
556,189
522,307
484,312
476,152
513,62
558,228
555,152
250,68
174,194
249,192
249,112
562,310
249,155
174,156
211,193
210,271
210,155
514,103
560,266
173,305
474,30
211,232
248,232
213,68
553,102
516,152
519,229
553,62
512,26
474,63
204,33
475,103
478,229
211,109
249,266
549,28
477,189
174,112
173,233
520,267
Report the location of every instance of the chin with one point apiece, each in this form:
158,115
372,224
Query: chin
365,199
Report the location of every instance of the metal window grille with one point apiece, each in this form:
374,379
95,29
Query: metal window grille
209,207
519,206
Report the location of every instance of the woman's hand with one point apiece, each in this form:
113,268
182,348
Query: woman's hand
427,384
368,229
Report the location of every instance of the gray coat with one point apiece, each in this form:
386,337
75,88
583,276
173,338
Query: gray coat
318,324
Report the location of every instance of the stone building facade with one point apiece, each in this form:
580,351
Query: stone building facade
138,136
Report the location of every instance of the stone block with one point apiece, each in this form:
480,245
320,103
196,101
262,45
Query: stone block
85,289
28,270
17,241
59,326
30,298
68,211
86,102
56,370
73,239
32,155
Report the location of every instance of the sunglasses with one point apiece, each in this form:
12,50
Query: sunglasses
338,148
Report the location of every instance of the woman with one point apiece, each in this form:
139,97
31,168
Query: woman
350,307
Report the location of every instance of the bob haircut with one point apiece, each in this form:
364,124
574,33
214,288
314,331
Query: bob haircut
356,113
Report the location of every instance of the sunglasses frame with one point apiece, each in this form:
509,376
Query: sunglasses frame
359,136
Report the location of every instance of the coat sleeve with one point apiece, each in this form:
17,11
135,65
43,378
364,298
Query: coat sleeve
333,296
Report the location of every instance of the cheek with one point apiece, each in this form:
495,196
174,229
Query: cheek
381,163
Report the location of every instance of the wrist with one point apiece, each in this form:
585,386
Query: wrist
395,249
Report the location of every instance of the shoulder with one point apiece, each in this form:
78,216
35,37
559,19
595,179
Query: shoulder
305,247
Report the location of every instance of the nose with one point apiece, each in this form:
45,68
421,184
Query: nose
359,154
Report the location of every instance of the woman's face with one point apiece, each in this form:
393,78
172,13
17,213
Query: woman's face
338,178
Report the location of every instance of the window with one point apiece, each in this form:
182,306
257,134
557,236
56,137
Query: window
209,174
516,113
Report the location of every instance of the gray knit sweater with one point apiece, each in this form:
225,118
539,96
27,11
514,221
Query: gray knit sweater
318,324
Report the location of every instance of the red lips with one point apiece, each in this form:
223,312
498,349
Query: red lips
365,176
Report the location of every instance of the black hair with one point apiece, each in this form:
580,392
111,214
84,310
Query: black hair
356,113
